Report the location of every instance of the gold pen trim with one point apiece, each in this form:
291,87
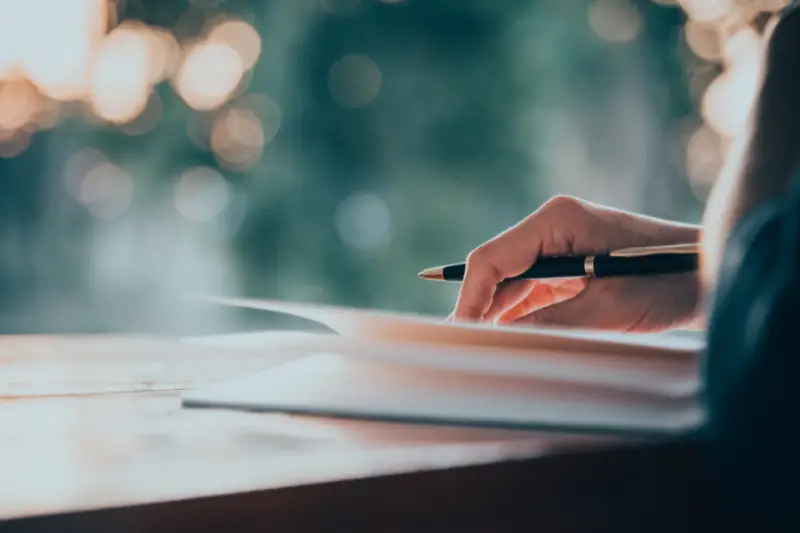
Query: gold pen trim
588,266
435,274
691,248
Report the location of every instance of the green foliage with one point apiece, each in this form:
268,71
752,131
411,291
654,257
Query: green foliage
447,154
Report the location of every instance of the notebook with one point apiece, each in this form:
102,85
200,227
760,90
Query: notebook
415,369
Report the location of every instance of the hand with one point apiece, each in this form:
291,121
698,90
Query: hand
566,225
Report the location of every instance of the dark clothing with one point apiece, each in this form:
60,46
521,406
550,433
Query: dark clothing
752,369
752,365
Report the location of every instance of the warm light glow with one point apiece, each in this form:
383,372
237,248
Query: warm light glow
209,75
120,77
201,194
19,102
237,139
707,10
704,158
48,114
617,21
744,46
703,40
727,102
165,54
240,36
51,42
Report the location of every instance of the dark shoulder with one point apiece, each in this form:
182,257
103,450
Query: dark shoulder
786,24
792,7
783,48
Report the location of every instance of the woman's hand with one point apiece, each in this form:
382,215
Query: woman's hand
566,225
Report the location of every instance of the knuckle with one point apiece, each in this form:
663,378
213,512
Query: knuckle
479,256
564,202
482,263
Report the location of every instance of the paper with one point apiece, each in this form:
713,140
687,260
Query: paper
406,328
669,376
408,368
339,386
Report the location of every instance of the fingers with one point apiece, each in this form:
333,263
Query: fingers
585,310
542,295
553,226
508,296
505,256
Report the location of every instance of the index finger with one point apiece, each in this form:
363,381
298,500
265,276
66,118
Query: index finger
505,256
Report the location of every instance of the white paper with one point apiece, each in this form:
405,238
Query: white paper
375,325
337,386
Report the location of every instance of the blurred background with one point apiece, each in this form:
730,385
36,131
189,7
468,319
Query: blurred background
328,150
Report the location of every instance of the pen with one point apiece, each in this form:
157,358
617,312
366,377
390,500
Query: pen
643,261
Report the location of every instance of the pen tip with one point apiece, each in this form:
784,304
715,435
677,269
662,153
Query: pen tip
432,274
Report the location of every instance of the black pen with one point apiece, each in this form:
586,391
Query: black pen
644,261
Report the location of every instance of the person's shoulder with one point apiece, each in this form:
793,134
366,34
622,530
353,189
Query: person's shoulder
789,16
783,36
792,7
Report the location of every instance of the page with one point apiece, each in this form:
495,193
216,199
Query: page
376,325
668,376
338,386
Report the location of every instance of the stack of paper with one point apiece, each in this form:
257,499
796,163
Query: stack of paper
409,368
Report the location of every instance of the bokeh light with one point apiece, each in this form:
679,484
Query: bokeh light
318,124
722,32
201,194
51,42
19,103
364,221
237,138
707,10
106,191
78,166
354,81
727,101
209,75
704,158
240,36
617,21
121,74
164,53
704,40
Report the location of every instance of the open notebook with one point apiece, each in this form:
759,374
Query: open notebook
399,367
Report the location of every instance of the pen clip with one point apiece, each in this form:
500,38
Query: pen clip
690,248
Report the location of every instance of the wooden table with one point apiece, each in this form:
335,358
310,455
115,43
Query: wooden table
93,438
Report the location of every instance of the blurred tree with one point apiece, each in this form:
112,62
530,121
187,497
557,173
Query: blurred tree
398,135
